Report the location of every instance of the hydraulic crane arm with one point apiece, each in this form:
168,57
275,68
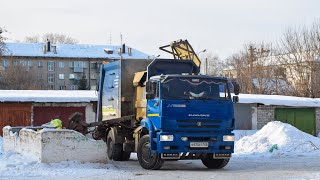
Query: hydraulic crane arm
181,49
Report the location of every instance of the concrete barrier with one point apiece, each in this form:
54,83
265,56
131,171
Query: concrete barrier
51,145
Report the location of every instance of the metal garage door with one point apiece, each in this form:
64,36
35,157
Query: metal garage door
302,118
44,114
14,115
243,116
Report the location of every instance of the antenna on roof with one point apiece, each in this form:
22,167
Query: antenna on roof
120,38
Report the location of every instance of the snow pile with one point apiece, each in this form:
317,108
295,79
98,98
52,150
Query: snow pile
280,139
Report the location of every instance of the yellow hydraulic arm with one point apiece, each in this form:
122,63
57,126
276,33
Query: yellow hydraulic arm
181,49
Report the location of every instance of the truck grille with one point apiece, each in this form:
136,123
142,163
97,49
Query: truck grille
199,124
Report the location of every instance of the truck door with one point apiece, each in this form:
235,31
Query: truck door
153,104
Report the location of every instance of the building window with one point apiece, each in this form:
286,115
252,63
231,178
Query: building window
77,66
51,87
40,63
73,87
61,76
50,66
5,63
61,64
29,63
15,63
72,76
51,78
94,65
93,76
62,87
71,64
39,76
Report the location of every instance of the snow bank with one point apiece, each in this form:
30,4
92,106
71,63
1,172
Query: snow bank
288,139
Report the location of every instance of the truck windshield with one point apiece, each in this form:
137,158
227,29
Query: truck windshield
194,88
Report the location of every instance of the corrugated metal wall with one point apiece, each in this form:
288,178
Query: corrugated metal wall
15,114
44,114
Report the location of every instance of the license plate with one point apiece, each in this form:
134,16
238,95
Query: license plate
199,144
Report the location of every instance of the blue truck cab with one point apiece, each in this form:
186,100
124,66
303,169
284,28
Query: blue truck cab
189,116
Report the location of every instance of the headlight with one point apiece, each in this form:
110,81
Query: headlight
166,137
228,138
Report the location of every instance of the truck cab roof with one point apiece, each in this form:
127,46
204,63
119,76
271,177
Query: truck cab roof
163,77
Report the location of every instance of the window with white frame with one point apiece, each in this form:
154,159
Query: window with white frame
50,66
62,87
61,64
73,87
93,76
72,76
77,66
29,63
61,76
5,63
39,76
51,87
15,63
40,63
51,78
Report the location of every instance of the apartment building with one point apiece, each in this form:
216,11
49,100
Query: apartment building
61,66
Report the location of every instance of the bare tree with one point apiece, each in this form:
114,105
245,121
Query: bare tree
300,50
212,65
54,38
256,71
2,39
19,76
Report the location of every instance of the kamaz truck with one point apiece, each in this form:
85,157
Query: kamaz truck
165,110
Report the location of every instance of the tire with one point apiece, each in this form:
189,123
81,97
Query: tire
212,163
114,151
146,158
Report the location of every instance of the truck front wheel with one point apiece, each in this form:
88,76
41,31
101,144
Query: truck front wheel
148,159
212,163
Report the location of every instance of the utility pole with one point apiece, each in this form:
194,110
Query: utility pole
251,59
252,55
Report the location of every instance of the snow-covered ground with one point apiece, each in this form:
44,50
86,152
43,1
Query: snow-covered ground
296,157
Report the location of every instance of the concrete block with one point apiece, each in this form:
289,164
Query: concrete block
51,145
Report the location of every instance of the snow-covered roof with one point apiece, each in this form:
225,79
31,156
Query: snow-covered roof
72,51
279,100
48,96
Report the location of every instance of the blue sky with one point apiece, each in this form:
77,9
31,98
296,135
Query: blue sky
221,27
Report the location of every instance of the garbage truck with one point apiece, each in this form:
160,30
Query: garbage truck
164,110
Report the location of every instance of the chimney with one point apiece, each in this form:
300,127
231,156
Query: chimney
54,49
48,45
123,48
44,49
129,51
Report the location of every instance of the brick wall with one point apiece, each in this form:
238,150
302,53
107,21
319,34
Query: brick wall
265,114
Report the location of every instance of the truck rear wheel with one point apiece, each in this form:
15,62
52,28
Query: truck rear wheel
114,151
212,163
148,159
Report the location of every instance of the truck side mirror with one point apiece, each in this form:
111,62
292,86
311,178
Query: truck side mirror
236,89
150,92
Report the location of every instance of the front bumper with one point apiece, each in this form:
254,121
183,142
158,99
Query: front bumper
214,141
